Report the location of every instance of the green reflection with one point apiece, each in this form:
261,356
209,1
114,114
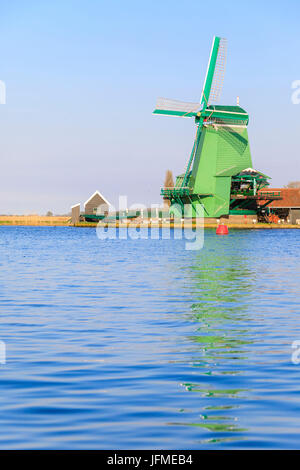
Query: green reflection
219,283
213,392
218,341
221,407
223,439
220,427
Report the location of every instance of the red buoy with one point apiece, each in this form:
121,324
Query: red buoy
222,230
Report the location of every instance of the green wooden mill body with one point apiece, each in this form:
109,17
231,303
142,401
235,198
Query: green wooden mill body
221,147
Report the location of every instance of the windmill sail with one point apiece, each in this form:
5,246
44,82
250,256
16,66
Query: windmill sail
176,107
215,71
218,79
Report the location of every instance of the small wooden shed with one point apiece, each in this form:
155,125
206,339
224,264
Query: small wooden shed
96,204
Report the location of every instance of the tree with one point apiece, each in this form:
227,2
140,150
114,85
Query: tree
293,184
49,214
169,183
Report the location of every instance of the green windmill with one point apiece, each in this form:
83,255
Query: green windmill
220,151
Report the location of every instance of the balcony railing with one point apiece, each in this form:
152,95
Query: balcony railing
175,192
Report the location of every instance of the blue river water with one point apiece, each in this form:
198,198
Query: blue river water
129,344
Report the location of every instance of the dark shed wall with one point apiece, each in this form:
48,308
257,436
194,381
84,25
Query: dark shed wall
75,214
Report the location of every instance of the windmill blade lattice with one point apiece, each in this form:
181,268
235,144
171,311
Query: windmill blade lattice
219,73
176,107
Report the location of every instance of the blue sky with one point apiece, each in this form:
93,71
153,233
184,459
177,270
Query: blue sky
82,78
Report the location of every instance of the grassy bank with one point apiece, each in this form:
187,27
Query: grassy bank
57,221
34,220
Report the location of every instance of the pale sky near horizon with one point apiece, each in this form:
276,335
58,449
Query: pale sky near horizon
82,78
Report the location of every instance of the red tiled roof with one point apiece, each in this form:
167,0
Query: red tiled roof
290,197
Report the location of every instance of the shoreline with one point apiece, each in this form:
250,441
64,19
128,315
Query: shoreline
63,221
